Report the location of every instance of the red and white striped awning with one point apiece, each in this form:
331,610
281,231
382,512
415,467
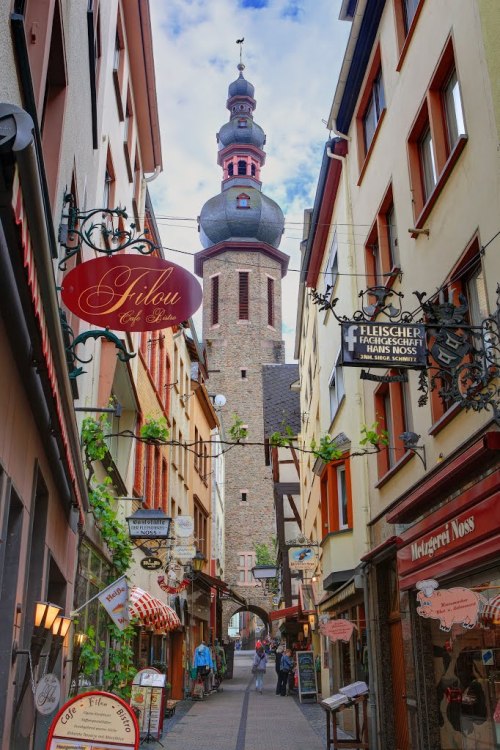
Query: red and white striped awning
152,612
491,611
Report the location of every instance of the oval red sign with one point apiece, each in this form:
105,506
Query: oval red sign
131,293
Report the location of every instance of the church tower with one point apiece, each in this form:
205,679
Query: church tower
242,268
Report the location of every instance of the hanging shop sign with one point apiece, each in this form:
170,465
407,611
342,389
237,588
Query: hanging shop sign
184,552
94,720
457,605
151,563
302,558
131,293
337,630
115,600
47,694
184,526
383,345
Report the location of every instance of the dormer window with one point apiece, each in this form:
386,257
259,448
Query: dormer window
243,201
242,122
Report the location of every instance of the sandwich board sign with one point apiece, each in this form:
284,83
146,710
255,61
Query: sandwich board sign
96,721
308,687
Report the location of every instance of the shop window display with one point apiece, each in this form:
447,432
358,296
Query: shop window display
467,673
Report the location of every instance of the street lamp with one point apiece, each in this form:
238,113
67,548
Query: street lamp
198,561
60,627
45,615
148,524
263,574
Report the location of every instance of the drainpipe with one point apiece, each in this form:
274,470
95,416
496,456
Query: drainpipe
372,706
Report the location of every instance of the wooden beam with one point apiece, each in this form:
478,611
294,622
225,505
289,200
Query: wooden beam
295,511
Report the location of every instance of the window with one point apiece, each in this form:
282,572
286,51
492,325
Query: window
381,247
215,300
201,527
437,137
196,451
370,111
253,169
243,201
242,122
230,169
466,279
243,289
427,163
332,266
342,498
119,66
242,167
406,13
244,496
246,561
376,103
128,132
270,302
54,99
243,374
336,499
390,411
336,386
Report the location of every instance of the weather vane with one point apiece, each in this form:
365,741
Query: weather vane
240,42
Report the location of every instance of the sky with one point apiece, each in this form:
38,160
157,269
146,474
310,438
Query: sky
293,51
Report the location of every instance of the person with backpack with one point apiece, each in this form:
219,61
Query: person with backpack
286,666
259,668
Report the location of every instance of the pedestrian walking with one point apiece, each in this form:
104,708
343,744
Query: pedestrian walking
279,653
259,668
286,666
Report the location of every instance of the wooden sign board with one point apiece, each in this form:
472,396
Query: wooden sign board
306,671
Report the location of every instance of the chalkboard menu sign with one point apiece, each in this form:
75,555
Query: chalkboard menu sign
307,675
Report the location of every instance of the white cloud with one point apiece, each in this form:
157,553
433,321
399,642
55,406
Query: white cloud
292,51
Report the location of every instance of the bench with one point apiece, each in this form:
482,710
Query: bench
170,706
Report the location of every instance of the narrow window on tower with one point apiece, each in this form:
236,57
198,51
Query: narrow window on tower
243,295
242,167
244,496
270,302
215,300
230,169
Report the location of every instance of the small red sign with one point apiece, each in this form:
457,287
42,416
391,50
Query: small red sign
131,293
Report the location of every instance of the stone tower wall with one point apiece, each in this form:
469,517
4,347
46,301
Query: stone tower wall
234,346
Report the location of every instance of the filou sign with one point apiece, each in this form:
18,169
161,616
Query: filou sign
371,344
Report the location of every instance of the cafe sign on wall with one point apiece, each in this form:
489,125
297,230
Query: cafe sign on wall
371,344
95,719
131,293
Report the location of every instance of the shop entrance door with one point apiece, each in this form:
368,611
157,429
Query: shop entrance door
398,683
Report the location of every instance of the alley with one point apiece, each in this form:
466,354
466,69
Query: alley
238,718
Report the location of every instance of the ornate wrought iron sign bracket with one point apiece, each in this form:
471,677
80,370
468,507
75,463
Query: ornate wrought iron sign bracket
101,229
457,359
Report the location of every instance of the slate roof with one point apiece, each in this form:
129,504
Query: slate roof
281,405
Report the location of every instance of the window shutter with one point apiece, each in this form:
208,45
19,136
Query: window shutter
215,300
243,295
270,302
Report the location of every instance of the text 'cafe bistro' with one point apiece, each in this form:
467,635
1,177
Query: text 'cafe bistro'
448,561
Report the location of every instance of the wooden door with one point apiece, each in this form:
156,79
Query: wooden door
176,671
398,684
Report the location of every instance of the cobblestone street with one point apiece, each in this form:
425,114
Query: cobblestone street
241,719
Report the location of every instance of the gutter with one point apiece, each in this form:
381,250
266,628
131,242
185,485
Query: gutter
318,199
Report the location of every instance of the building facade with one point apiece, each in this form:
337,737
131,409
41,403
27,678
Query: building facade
415,113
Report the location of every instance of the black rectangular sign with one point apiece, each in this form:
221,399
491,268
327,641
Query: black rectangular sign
306,674
383,344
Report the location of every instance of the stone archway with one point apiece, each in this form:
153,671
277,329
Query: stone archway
231,610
